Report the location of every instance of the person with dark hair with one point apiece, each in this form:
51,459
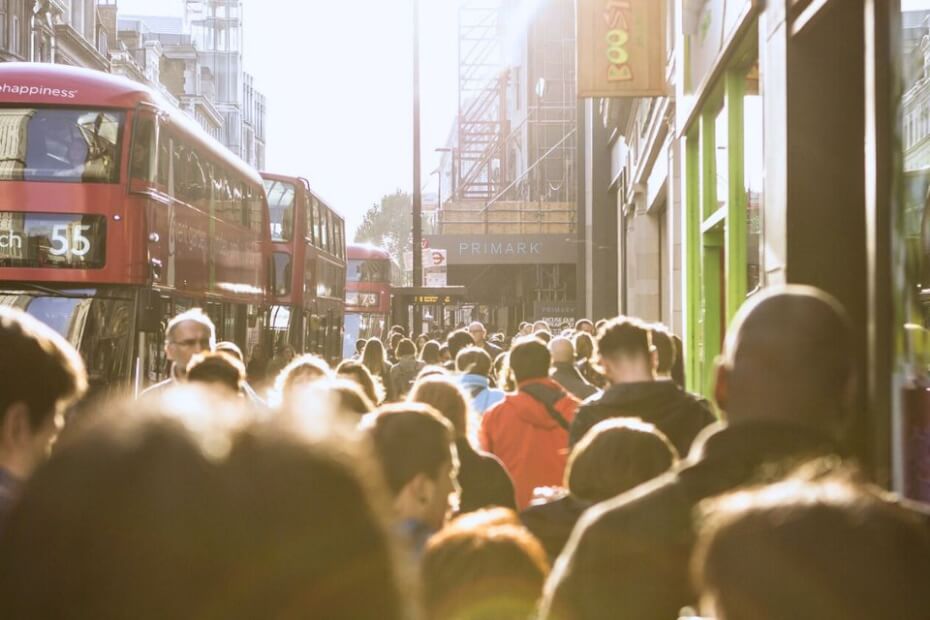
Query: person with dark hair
615,456
474,367
429,354
528,430
399,329
456,341
406,369
233,349
625,351
301,372
665,351
444,356
541,326
482,571
678,368
375,360
564,370
217,370
786,399
360,348
479,334
187,334
482,478
585,325
257,368
584,360
138,517
416,449
40,375
357,372
812,550
543,335
391,348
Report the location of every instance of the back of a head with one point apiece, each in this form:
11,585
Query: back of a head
357,372
430,352
37,367
479,570
473,361
301,371
141,517
562,350
230,348
404,348
351,398
360,345
373,356
409,439
624,337
543,335
615,456
665,349
446,397
529,359
219,370
826,550
584,345
458,340
789,354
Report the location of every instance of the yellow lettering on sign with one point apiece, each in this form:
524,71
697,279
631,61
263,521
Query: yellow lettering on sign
619,69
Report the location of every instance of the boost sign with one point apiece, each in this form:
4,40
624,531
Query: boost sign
621,48
52,240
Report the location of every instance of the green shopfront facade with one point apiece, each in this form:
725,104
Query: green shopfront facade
791,136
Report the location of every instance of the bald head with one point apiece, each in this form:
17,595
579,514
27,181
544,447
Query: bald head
788,356
562,350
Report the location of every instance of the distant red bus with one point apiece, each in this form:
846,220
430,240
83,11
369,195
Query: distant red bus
307,293
368,294
116,212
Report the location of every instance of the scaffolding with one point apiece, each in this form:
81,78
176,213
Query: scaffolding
482,117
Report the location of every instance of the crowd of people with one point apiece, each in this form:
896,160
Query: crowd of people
559,476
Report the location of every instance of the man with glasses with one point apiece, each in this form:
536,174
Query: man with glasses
479,335
188,334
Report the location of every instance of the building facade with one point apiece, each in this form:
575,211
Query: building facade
792,146
197,61
508,217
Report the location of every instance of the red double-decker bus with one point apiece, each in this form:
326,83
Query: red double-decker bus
116,212
368,295
307,292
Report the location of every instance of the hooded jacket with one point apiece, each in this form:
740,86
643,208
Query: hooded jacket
527,438
678,414
483,396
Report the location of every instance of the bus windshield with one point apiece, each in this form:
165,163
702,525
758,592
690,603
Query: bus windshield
361,270
281,209
60,144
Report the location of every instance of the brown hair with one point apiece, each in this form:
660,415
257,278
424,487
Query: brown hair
624,336
812,550
217,369
359,373
490,570
473,360
37,367
409,439
665,348
301,371
446,397
615,456
529,359
404,347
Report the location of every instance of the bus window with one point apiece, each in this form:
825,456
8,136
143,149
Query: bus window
164,159
253,210
282,274
317,222
363,270
144,149
324,229
60,144
280,209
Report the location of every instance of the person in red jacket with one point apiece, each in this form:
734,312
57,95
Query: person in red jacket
528,430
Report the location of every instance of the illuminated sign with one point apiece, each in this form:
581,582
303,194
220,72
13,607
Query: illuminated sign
621,48
432,299
52,240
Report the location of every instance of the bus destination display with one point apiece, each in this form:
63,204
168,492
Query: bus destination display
52,240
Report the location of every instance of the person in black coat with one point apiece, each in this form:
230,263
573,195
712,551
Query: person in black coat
786,399
482,478
629,361
615,456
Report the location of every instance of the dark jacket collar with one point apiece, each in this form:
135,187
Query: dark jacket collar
728,456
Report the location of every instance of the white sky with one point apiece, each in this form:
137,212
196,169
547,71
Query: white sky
338,77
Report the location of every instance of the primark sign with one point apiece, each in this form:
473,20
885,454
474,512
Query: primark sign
506,249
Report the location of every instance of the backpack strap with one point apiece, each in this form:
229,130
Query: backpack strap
475,390
547,397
